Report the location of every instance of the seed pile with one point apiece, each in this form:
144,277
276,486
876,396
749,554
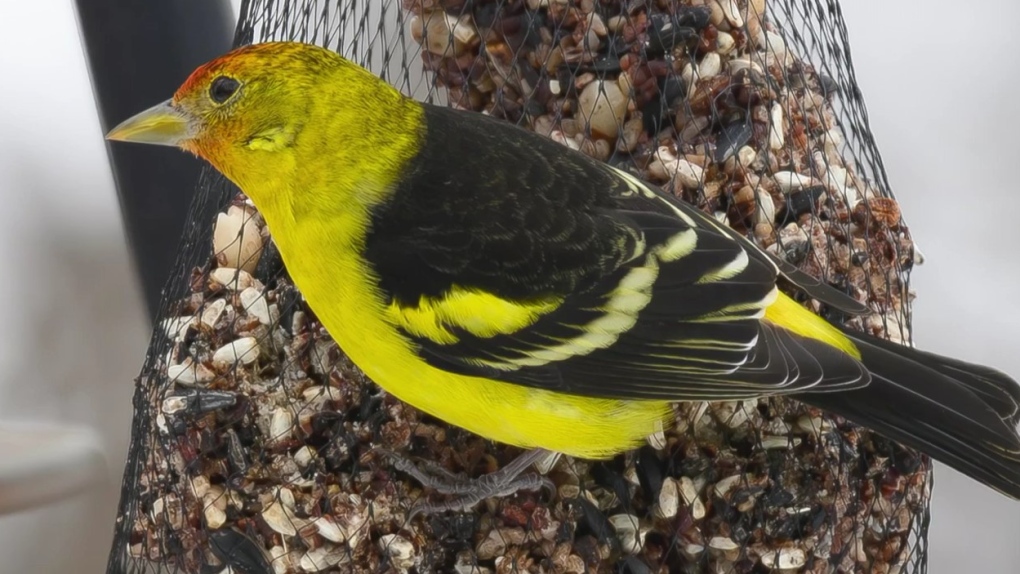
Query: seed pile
264,449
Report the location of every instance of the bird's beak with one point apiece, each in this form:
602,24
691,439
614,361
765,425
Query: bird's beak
162,124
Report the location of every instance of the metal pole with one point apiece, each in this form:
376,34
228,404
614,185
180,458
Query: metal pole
138,53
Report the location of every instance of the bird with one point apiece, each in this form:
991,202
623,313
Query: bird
530,294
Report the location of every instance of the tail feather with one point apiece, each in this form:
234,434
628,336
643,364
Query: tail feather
996,389
960,414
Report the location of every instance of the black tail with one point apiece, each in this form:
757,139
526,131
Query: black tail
960,414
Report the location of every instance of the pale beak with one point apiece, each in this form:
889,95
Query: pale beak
161,124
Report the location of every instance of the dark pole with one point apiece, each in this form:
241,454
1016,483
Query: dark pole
138,53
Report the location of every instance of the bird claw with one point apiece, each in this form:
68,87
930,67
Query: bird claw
465,492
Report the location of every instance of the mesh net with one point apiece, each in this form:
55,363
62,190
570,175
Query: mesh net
254,445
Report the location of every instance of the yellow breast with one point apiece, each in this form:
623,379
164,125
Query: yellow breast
336,283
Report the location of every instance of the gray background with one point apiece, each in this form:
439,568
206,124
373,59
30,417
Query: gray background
940,82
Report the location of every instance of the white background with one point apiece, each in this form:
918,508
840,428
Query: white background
941,86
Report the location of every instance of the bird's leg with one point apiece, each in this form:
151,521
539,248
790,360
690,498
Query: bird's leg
467,492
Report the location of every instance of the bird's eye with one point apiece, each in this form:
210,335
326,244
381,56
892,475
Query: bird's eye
222,88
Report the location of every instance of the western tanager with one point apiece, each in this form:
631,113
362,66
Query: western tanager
530,294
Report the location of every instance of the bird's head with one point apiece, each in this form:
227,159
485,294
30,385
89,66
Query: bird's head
260,112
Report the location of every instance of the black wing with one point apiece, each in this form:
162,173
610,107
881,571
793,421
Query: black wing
656,300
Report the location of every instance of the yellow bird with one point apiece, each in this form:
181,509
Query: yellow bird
532,295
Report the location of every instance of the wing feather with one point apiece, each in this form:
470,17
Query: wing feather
655,298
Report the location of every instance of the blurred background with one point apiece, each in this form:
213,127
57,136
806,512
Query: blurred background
940,85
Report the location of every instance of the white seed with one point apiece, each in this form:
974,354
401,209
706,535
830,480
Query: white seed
779,442
771,43
658,170
784,558
669,498
755,15
663,163
833,138
732,12
790,181
283,561
746,156
657,439
741,62
554,87
694,128
776,138
212,312
616,23
562,139
566,491
244,350
200,486
917,255
280,518
791,234
710,65
234,279
491,546
595,23
327,527
812,101
630,136
281,425
304,456
764,213
692,550
723,218
590,42
176,327
183,374
189,373
324,558
724,545
322,393
688,490
717,17
168,508
603,107
813,425
689,494
399,549
724,43
354,524
255,304
215,517
464,32
689,174
443,34
837,180
236,239
724,486
632,537
732,413
286,496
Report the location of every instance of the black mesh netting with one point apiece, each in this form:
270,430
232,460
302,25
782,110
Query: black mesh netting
254,446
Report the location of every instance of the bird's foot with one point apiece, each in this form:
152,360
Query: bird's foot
466,492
